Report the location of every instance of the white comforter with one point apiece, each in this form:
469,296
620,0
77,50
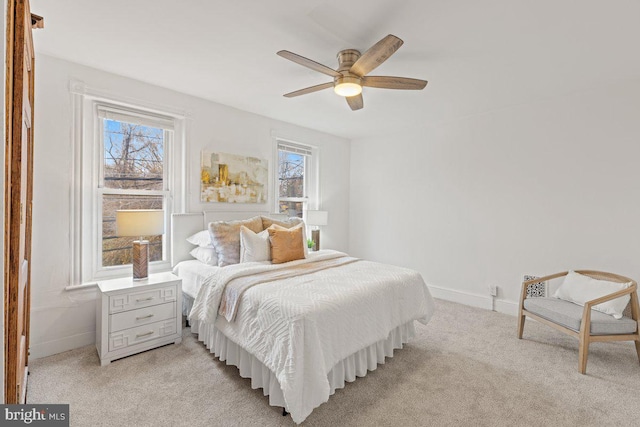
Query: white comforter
302,326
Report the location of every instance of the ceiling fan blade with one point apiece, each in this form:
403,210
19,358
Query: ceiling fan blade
355,102
309,90
306,62
376,55
386,82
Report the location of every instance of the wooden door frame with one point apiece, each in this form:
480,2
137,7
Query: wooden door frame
18,44
9,353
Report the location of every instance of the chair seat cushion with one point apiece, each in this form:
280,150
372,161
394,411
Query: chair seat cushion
569,315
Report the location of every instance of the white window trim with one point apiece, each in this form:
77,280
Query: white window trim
312,175
83,263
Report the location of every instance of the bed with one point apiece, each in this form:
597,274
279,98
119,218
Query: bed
302,328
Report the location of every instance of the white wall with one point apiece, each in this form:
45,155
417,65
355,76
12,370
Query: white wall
535,188
61,320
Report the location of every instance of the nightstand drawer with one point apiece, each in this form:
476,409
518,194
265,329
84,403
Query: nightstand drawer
129,301
134,316
129,337
142,316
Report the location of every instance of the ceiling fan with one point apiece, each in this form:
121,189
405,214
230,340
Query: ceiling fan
352,71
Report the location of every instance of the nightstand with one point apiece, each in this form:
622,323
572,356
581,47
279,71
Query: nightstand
134,316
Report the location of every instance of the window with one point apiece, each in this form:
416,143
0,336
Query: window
295,180
132,176
125,157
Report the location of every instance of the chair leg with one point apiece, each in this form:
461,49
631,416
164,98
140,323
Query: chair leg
520,325
583,352
637,343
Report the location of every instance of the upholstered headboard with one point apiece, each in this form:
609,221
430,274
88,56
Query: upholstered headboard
186,224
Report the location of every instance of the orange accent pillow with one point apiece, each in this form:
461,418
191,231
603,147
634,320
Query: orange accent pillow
286,243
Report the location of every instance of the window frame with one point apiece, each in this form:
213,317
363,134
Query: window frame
126,116
88,179
310,201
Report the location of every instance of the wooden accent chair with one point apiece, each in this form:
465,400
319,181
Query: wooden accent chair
575,320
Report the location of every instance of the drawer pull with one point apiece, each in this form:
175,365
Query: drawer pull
144,317
144,335
144,299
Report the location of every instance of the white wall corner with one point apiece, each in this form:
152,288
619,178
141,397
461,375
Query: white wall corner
48,348
77,87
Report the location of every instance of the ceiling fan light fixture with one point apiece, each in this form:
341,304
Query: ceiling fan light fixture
353,71
347,86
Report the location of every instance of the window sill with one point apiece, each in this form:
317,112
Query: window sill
94,284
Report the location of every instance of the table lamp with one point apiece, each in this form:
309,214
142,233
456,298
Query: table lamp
134,223
317,218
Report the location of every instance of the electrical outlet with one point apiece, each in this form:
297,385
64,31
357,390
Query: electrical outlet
493,290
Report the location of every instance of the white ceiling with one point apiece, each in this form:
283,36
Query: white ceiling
478,56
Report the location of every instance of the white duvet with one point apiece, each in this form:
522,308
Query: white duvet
300,327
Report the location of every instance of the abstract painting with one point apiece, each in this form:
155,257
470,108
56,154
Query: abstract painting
230,178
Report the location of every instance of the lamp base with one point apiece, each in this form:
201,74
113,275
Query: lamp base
140,259
315,236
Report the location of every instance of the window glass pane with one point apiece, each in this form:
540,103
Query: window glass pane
117,250
291,208
290,174
133,156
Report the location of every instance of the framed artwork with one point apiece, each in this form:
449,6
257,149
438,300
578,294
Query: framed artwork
230,178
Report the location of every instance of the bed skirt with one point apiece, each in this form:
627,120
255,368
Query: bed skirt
346,370
187,304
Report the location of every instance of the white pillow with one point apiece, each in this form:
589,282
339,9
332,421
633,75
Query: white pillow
205,255
201,238
578,288
254,246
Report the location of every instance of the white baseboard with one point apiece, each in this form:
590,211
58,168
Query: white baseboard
507,307
47,348
475,300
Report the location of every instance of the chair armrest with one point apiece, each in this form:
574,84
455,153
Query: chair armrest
585,328
611,296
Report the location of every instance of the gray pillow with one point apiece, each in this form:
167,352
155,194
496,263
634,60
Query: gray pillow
225,236
290,222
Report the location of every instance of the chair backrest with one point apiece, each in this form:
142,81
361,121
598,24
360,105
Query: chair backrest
601,275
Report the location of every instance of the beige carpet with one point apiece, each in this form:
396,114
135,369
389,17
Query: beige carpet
465,368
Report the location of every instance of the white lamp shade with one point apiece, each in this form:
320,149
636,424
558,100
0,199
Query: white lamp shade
317,217
140,222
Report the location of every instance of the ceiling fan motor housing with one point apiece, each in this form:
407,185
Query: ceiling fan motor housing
348,84
346,59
